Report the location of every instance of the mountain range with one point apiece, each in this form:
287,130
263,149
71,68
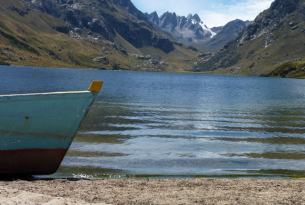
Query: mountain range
224,35
271,46
101,34
192,31
184,29
115,35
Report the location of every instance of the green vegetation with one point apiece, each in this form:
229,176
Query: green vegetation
18,43
289,69
232,61
272,46
29,38
216,61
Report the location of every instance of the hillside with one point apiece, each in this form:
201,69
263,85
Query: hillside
192,31
275,37
224,35
100,34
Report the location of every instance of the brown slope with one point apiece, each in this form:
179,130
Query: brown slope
72,34
275,37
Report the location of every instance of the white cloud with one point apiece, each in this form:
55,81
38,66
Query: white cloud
181,7
213,13
221,14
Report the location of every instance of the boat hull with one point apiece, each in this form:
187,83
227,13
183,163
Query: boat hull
36,130
31,161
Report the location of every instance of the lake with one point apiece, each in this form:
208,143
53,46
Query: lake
162,125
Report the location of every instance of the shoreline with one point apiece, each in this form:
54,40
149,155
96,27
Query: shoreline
167,71
153,191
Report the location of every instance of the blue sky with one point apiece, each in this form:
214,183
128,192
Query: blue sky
212,13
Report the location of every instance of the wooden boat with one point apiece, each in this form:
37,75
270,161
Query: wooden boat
36,130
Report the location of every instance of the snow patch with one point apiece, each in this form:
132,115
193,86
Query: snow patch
204,27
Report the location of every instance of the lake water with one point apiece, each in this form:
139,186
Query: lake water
178,125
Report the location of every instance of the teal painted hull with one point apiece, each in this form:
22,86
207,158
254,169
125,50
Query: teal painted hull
36,130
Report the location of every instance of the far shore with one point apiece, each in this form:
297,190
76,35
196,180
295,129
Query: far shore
153,191
151,71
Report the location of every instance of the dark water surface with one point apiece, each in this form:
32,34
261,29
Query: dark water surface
178,125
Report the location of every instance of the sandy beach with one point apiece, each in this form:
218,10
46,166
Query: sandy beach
153,191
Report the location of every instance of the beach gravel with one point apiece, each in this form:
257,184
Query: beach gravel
153,191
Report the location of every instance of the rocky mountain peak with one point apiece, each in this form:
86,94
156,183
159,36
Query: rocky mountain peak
185,29
189,17
168,20
153,17
197,18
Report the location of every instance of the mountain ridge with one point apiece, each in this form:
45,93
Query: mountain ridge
275,37
192,31
224,34
184,29
101,34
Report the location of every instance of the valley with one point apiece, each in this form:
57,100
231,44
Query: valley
264,48
115,35
52,34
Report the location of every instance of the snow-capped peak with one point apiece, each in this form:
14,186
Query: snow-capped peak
204,27
197,20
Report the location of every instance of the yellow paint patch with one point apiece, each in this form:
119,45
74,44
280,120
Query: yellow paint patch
96,86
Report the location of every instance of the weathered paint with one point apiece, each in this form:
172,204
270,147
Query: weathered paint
37,129
31,161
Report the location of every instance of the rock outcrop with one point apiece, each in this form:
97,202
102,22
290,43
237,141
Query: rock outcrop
275,37
98,34
185,29
225,34
102,59
103,17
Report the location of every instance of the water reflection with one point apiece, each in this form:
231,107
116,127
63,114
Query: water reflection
96,138
272,155
233,127
161,124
